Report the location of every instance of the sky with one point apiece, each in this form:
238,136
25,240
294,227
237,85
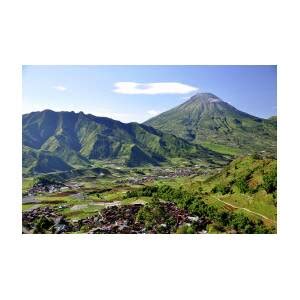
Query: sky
137,93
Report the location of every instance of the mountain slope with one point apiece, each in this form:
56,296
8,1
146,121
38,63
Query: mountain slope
207,120
58,141
246,174
248,182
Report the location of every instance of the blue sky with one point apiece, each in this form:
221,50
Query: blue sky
136,93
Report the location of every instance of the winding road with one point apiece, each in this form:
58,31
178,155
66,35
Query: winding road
246,209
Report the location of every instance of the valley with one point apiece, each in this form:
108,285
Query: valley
203,167
82,199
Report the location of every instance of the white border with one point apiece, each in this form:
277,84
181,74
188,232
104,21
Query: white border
149,32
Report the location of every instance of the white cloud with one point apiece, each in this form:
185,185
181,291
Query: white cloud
153,88
119,116
153,112
60,88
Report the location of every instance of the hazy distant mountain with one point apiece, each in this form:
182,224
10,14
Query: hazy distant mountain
60,141
207,120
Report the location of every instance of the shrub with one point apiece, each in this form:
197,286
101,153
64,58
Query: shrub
146,191
215,228
42,224
242,224
242,185
270,181
185,229
44,181
220,188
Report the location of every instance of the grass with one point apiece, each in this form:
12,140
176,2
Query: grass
222,148
49,199
136,200
28,206
27,184
90,210
261,203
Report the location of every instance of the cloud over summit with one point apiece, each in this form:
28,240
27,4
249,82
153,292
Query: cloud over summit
153,88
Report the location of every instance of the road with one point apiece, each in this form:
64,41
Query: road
29,199
106,204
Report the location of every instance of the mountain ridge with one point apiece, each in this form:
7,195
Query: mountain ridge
59,141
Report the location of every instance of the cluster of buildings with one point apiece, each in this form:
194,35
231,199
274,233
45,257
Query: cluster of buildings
163,174
51,188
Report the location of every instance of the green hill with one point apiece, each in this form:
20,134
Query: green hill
60,141
206,119
248,182
247,174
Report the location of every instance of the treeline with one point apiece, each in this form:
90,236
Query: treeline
45,180
220,220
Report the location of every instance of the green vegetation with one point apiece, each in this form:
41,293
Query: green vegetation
42,224
207,120
27,184
152,214
28,206
101,162
242,184
223,221
185,229
89,210
227,150
270,181
75,173
64,141
246,175
247,182
222,199
221,188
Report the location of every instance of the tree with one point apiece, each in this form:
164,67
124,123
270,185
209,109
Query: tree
151,214
242,224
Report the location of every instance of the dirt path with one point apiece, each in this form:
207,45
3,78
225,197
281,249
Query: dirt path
246,209
84,206
139,201
107,204
79,207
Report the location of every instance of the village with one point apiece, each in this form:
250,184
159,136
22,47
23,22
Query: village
166,174
51,187
113,219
